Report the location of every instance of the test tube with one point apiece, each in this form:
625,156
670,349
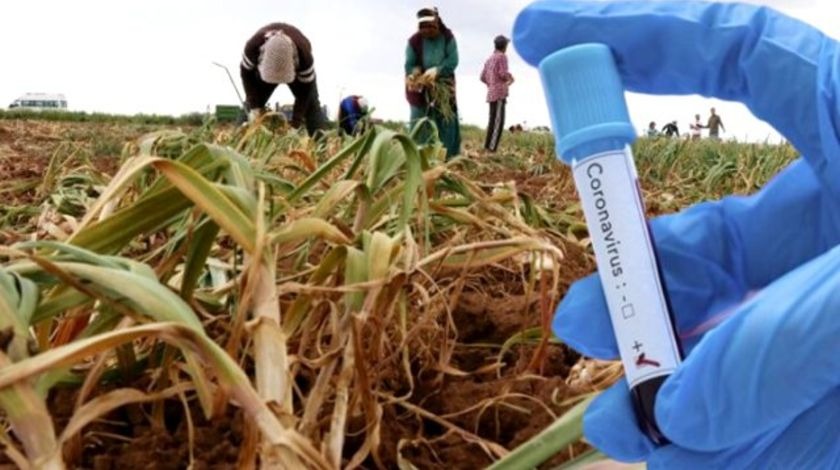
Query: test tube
593,134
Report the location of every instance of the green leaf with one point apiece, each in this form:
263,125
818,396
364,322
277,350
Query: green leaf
355,271
212,201
201,243
296,314
16,293
60,301
324,169
528,336
567,430
379,249
308,227
337,193
147,215
70,252
144,295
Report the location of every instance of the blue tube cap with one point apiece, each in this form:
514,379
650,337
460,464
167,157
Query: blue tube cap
585,97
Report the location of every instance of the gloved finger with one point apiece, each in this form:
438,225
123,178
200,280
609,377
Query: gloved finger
783,70
776,357
714,254
610,425
809,441
582,320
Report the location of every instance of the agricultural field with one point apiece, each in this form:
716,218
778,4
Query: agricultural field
178,294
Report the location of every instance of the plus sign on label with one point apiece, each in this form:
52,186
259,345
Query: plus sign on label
610,198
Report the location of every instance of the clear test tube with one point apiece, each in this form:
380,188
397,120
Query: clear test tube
593,134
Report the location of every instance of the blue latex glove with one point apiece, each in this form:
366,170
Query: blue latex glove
762,388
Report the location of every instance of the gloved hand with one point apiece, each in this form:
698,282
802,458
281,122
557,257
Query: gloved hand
431,74
760,386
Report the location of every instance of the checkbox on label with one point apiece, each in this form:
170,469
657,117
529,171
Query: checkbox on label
627,311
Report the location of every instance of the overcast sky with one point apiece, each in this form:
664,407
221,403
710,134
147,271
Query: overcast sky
155,56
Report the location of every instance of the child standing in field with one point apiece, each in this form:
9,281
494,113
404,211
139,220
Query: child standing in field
696,128
652,132
498,79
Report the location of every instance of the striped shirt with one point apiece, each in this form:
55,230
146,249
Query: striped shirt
496,76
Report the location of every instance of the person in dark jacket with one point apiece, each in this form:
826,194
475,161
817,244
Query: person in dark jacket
671,129
280,53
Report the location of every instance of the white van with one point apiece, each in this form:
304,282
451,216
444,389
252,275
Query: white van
40,101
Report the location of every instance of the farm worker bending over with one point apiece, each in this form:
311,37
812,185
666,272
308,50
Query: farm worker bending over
431,57
280,53
671,129
760,386
351,110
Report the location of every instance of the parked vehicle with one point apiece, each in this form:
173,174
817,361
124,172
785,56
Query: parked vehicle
39,101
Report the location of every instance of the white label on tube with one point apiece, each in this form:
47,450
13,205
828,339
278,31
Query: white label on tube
613,208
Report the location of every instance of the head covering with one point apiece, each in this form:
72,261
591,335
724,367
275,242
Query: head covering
363,103
500,41
427,15
277,59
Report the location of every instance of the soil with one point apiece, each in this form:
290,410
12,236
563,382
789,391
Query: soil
23,156
129,439
520,401
26,148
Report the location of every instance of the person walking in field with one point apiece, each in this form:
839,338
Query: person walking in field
431,57
280,53
715,125
498,79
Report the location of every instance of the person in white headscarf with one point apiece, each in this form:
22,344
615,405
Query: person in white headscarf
431,57
280,53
